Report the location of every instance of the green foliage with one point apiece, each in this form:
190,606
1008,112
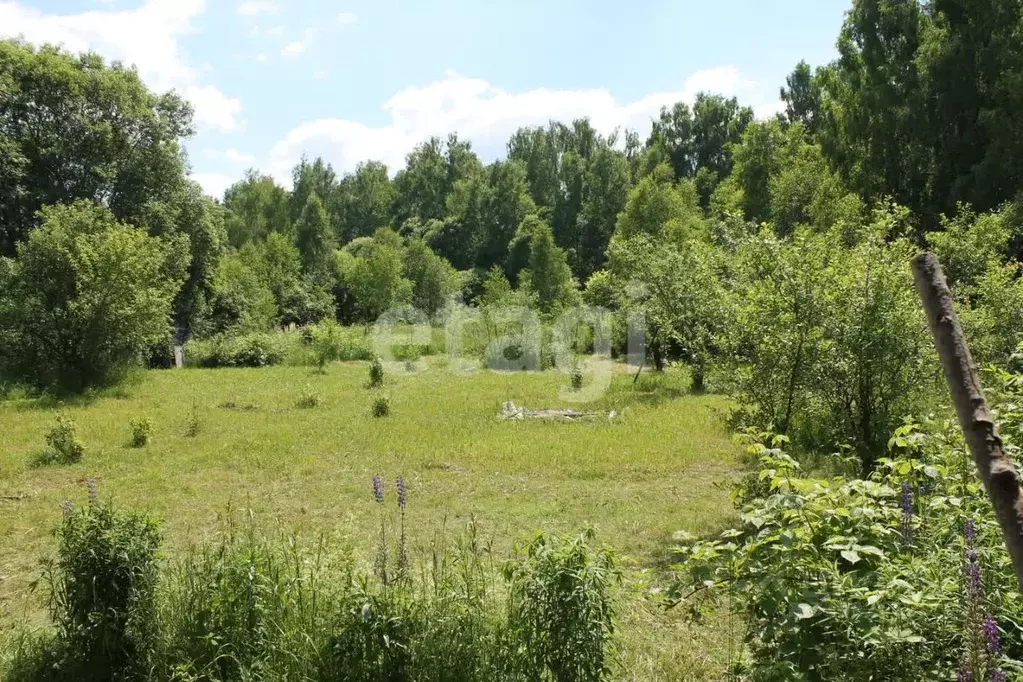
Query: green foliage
376,373
374,278
309,399
970,245
431,276
241,301
75,127
701,137
920,105
141,431
829,343
993,313
549,277
246,350
381,406
103,593
245,607
87,297
256,208
677,290
194,422
658,208
858,579
63,446
562,608
314,237
363,201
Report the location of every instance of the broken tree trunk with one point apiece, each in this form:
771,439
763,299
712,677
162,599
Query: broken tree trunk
996,469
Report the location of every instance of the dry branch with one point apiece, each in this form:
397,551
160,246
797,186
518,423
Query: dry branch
996,469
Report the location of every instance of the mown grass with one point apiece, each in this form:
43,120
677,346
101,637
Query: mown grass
659,466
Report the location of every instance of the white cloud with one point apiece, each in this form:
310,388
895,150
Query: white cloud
231,154
252,8
273,32
487,115
345,18
147,37
293,49
214,184
320,75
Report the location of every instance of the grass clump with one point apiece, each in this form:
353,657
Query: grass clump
141,431
63,446
381,406
309,399
194,422
248,606
376,373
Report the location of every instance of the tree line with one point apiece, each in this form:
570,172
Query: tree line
772,248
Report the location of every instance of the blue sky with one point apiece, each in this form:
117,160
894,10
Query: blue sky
352,80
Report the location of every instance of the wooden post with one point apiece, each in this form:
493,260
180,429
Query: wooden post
996,469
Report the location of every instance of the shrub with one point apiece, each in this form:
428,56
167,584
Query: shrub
854,579
62,441
141,431
381,406
86,297
249,350
328,341
577,376
253,607
376,373
562,608
103,592
309,399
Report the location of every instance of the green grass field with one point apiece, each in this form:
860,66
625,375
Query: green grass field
661,465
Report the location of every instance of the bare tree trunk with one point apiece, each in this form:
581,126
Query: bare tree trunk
996,469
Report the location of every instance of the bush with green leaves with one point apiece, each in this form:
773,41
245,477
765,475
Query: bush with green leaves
248,350
141,431
562,608
63,446
828,343
851,579
86,297
381,406
103,588
376,373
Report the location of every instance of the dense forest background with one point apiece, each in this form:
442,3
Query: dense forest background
772,248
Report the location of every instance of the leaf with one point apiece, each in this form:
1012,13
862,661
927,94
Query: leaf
851,556
804,611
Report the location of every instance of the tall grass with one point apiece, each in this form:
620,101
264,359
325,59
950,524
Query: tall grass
248,607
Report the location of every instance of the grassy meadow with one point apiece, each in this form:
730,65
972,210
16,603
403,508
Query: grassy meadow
661,465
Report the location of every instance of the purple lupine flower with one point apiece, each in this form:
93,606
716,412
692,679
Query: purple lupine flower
402,492
972,573
68,507
907,511
991,636
997,675
970,533
93,498
378,488
964,675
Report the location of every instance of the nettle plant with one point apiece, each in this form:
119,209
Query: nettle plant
903,576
